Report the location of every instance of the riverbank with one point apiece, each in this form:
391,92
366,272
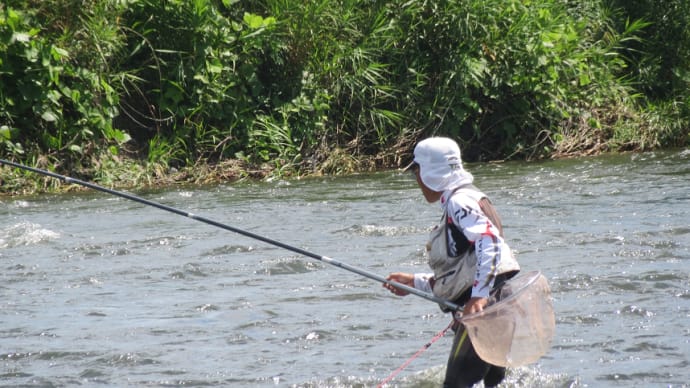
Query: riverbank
128,173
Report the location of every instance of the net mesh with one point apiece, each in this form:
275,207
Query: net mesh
518,329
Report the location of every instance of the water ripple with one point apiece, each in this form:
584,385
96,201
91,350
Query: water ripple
288,266
635,310
123,295
25,234
379,230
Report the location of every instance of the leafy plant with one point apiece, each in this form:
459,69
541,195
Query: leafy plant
49,98
329,86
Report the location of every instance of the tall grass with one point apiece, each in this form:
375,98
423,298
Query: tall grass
335,86
56,96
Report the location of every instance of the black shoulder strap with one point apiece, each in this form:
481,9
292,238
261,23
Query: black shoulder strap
487,208
490,211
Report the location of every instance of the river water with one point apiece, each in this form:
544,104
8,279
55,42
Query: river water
97,290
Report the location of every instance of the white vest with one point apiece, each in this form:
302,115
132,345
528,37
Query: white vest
454,275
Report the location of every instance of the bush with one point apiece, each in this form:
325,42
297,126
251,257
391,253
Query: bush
335,86
55,100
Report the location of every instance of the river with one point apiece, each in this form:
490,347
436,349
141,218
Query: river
96,290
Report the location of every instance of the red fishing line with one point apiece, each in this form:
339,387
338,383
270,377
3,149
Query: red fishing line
419,352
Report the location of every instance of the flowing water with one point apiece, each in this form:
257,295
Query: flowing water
97,290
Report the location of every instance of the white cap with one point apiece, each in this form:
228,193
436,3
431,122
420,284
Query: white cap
440,165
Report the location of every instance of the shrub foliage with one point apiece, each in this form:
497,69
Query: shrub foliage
324,85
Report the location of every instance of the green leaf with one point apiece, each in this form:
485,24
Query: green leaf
119,136
5,133
202,78
256,21
49,116
584,79
214,67
54,97
229,3
253,21
59,53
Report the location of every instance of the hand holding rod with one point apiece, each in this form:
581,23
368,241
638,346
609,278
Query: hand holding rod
325,259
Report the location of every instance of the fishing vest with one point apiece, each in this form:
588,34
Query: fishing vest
454,272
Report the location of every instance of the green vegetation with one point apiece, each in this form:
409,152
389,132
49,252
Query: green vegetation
130,92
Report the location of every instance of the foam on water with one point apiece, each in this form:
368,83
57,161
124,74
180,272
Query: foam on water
24,234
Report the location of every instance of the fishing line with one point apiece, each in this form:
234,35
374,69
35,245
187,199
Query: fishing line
325,259
421,350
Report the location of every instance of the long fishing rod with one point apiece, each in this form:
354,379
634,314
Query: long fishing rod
325,259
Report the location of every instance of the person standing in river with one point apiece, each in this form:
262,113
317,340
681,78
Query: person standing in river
467,253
